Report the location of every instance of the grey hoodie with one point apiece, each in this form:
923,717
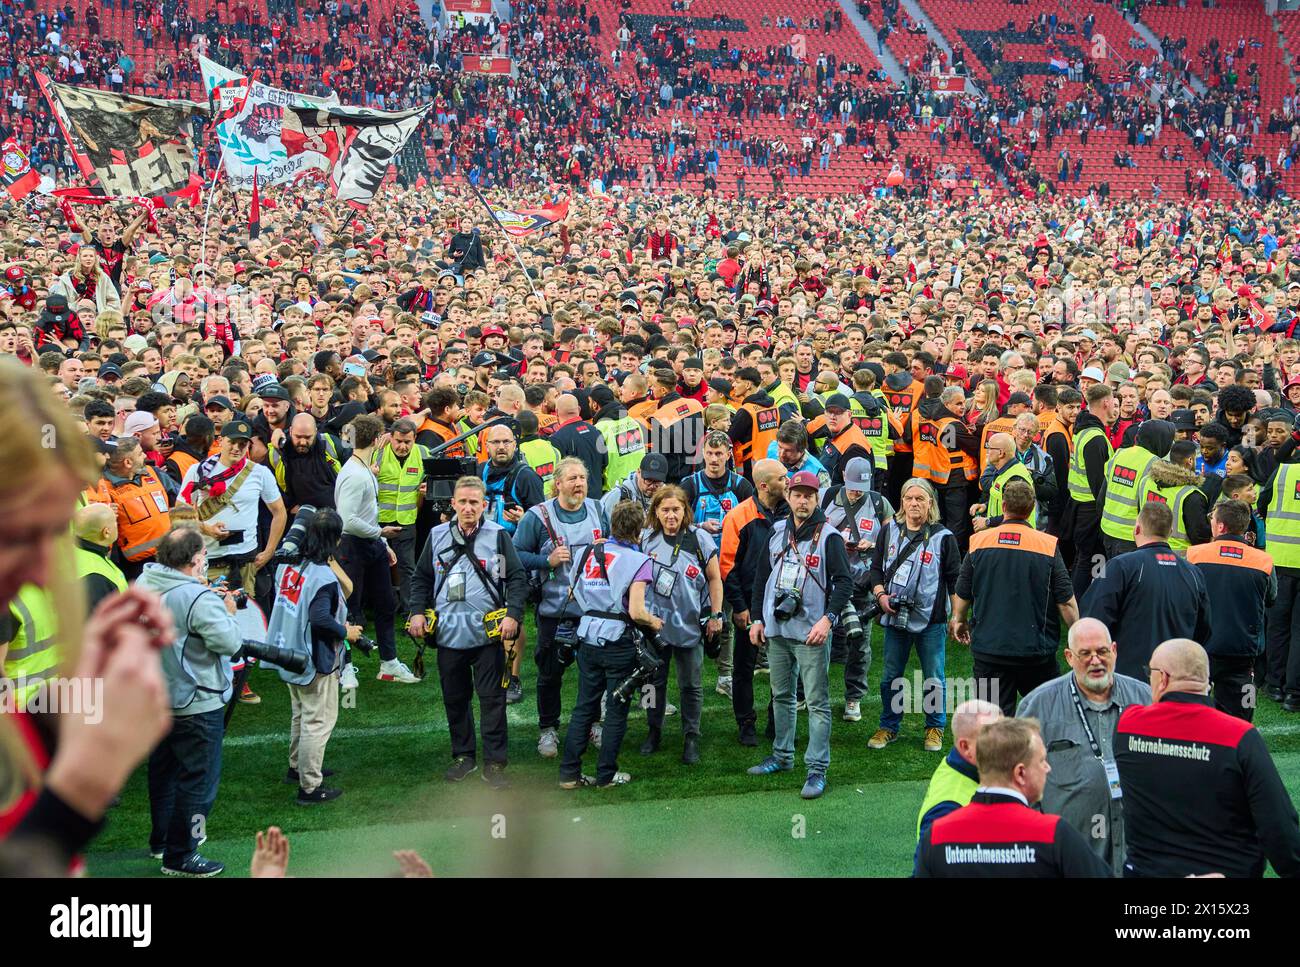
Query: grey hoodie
196,666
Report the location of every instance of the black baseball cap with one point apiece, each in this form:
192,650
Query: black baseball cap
238,430
654,466
484,359
222,401
273,391
837,401
720,385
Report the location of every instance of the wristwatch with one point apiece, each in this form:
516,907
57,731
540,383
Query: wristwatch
834,618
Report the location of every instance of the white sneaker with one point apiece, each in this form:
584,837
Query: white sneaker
724,686
395,671
348,680
548,746
852,711
670,709
620,779
594,736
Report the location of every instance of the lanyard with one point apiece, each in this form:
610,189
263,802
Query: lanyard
1078,707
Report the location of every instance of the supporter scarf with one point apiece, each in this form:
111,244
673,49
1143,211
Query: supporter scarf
214,483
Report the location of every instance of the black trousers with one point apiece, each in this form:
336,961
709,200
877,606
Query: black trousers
1115,546
744,658
1234,679
1086,534
404,547
550,674
464,672
1282,626
954,513
184,773
365,561
1005,679
600,671
900,470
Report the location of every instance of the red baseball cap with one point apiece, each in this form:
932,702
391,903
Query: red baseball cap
493,331
804,478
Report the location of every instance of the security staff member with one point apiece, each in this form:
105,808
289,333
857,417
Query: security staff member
1149,595
1280,503
95,527
138,496
551,536
845,441
1201,792
1087,481
399,466
468,574
537,453
575,437
1001,450
31,655
624,436
1125,472
1014,574
957,777
754,426
800,589
999,834
1242,583
1174,482
745,533
944,451
859,514
676,427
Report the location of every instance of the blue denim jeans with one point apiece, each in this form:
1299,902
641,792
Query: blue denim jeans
930,648
787,658
184,772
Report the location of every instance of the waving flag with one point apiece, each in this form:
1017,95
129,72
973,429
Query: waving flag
525,221
124,144
357,145
1225,250
19,178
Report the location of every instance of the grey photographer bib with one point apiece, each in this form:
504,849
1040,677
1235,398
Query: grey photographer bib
679,592
856,522
800,565
919,579
463,598
575,536
594,593
296,586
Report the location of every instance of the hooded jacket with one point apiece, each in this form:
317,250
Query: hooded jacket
199,677
1196,508
106,296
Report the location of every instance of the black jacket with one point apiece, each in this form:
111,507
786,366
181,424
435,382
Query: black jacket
745,533
997,835
580,439
308,477
1201,793
1146,597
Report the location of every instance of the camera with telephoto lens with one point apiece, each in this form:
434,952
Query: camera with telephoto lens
788,603
902,610
363,644
290,550
566,641
289,660
648,661
851,623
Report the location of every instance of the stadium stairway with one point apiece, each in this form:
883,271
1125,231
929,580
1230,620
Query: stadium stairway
887,59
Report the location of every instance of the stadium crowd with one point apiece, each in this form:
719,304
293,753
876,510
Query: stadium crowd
691,430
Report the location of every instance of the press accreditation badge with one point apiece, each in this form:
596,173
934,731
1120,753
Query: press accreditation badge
1112,778
665,581
456,586
161,501
789,575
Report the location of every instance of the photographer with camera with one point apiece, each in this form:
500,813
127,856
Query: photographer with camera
686,593
550,536
309,617
859,514
185,768
468,595
610,584
800,589
914,580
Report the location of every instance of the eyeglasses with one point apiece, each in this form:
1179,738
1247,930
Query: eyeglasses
1148,669
1086,656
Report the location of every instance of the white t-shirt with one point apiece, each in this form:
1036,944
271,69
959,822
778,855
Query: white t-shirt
241,514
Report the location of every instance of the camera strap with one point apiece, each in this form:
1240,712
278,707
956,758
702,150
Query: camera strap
604,572
460,549
911,546
794,544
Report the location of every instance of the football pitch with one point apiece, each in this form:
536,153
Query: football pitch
390,751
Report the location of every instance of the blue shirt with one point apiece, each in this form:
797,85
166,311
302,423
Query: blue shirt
1205,469
810,463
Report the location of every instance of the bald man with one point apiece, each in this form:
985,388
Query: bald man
306,465
1003,467
1078,713
955,780
95,528
1201,792
745,533
575,437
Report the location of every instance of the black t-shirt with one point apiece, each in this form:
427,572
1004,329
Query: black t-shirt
110,259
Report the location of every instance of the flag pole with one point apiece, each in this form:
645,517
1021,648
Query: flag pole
221,118
511,242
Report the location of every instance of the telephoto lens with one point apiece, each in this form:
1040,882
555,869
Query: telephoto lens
363,644
851,623
286,658
291,546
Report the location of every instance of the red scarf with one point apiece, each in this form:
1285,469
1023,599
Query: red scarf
214,483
